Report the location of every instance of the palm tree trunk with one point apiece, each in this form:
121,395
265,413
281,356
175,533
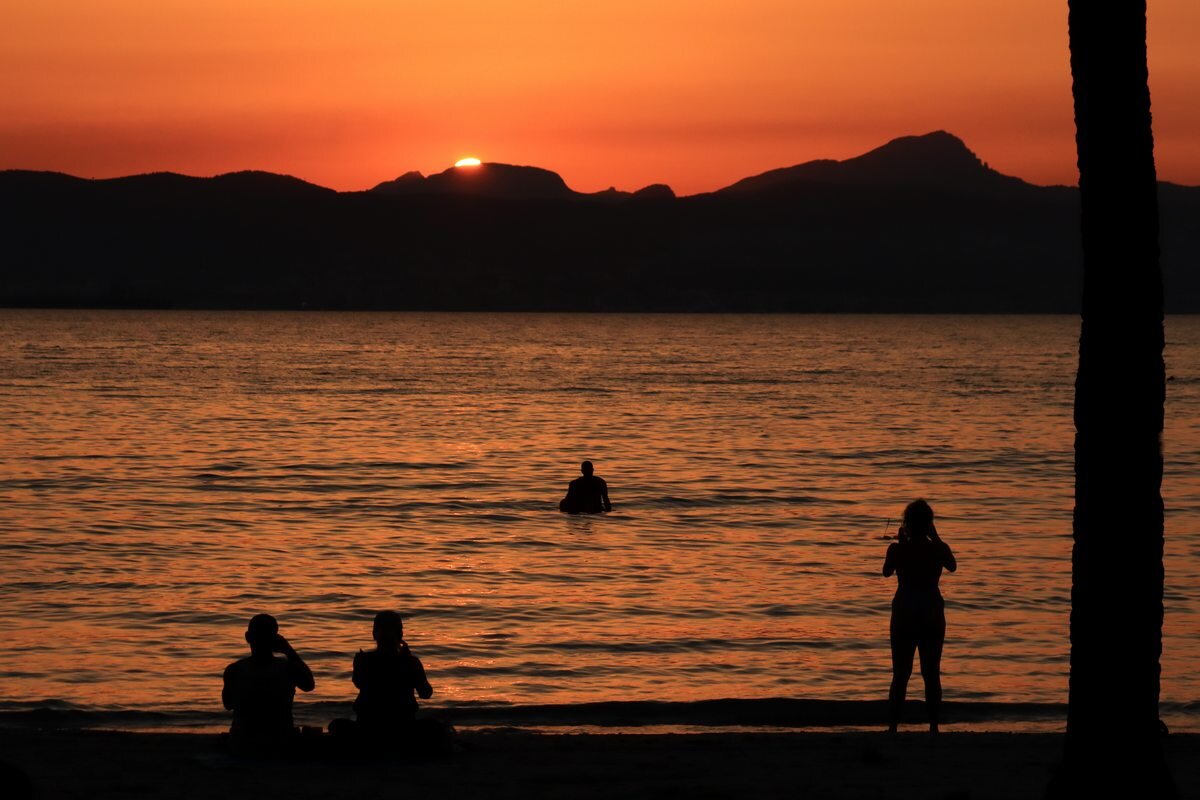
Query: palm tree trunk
1113,739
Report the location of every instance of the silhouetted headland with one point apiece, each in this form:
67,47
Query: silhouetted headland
502,181
918,225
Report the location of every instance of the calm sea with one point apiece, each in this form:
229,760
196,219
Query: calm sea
165,475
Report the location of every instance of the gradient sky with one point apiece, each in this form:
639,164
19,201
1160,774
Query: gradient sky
695,93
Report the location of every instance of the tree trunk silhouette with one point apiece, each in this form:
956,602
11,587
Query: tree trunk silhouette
1113,739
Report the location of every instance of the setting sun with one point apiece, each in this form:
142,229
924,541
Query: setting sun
470,161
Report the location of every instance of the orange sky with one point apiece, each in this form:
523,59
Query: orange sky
694,93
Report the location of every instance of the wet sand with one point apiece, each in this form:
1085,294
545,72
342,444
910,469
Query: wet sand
512,764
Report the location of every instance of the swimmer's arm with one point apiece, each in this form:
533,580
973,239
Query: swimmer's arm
889,561
604,494
357,676
421,683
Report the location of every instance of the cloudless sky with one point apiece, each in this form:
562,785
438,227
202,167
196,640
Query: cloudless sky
693,93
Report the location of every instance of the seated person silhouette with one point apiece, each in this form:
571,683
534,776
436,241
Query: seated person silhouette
259,689
385,710
587,494
918,611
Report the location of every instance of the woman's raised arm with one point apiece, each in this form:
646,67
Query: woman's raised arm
948,559
889,561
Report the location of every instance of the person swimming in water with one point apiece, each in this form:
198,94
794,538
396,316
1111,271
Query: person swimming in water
918,611
259,689
587,494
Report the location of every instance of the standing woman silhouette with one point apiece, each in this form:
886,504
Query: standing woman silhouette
918,612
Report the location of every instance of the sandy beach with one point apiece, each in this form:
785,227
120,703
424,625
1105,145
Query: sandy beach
510,763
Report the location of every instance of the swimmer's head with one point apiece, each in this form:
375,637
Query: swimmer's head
918,519
261,632
586,468
388,630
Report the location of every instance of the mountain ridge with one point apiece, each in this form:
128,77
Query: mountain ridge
920,224
936,160
883,165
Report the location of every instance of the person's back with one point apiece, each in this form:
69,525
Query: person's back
386,681
259,689
385,710
918,612
587,494
918,564
387,677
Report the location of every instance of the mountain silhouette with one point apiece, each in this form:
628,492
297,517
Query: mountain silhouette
936,160
484,180
655,191
920,224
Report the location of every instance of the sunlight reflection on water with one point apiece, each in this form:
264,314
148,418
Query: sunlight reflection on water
166,474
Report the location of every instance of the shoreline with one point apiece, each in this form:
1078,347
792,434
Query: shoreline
511,764
730,715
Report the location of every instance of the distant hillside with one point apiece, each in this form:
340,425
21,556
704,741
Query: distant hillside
920,224
504,181
485,180
938,160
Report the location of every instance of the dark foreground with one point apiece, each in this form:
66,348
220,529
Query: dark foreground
526,765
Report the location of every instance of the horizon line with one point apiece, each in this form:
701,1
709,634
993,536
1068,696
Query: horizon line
252,170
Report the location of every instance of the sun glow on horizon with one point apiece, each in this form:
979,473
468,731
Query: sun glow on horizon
346,93
469,161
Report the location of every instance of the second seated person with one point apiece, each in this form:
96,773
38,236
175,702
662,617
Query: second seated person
386,679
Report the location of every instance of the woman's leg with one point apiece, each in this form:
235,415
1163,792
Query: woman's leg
930,648
903,645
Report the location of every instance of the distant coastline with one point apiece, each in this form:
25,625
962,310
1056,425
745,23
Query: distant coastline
919,225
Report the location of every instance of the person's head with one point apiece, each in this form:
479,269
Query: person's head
388,630
586,468
918,520
261,633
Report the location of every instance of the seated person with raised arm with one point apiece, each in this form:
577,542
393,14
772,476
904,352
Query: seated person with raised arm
587,494
259,689
386,678
385,711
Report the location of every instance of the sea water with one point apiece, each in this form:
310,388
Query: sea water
166,475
